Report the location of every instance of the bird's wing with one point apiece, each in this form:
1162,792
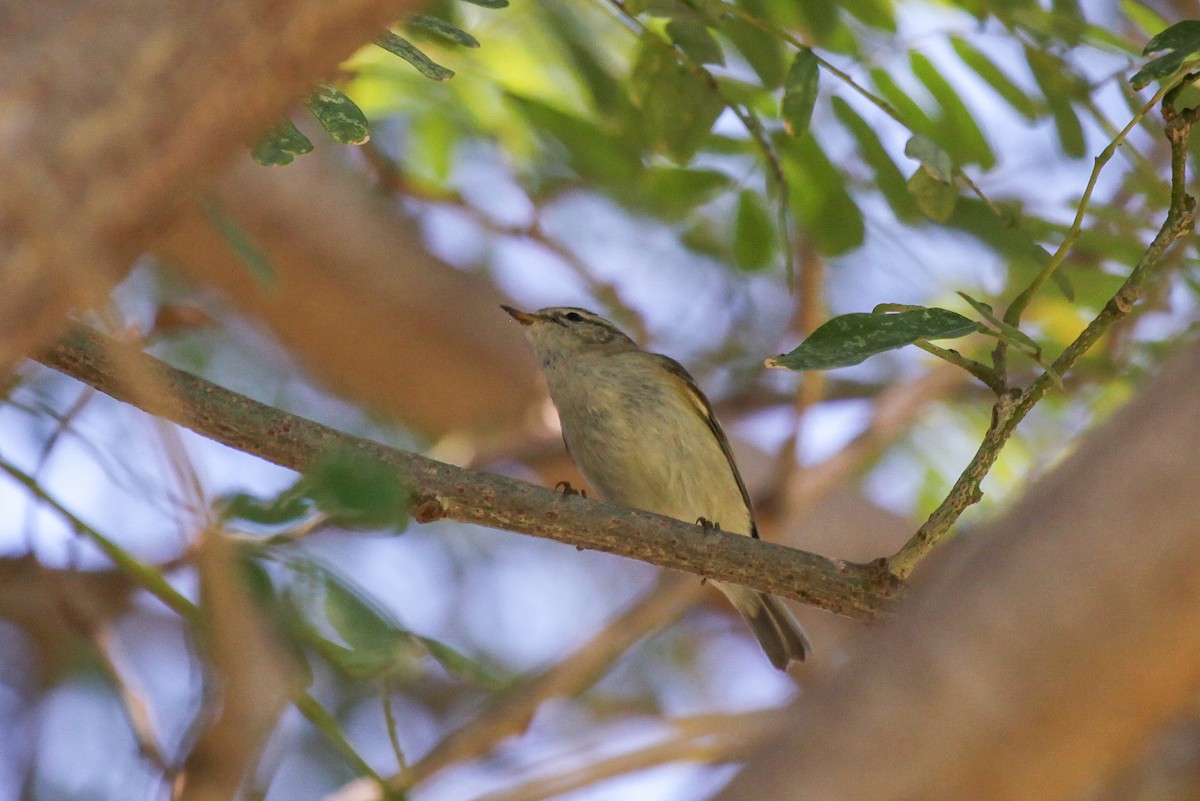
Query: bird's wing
696,397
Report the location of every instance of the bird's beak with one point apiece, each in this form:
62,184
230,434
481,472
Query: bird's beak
524,318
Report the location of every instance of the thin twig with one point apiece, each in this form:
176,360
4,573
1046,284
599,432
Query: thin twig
325,723
708,739
981,371
389,717
137,708
1012,407
142,574
843,76
1012,315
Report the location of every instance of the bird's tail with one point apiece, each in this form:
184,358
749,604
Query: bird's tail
772,623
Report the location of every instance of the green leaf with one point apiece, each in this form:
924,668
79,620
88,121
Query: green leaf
764,52
819,19
673,192
1185,96
1059,85
1159,68
441,29
593,152
849,339
341,118
800,92
280,611
818,198
748,94
399,46
280,145
888,178
678,106
255,578
462,666
377,644
753,233
654,59
1013,336
587,56
1070,132
693,37
913,115
1060,279
935,198
356,489
702,237
239,241
349,486
287,507
1144,17
1183,36
356,618
877,13
710,11
1067,21
959,130
489,3
1009,333
431,143
986,69
931,156
1106,39
1009,240
726,145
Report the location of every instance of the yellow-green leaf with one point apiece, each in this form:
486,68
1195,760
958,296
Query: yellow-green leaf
753,234
693,37
935,198
281,145
341,118
800,92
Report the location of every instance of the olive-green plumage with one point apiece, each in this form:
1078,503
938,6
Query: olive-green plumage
644,435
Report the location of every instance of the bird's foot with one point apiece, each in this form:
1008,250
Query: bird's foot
566,489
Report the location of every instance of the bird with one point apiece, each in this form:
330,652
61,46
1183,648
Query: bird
644,435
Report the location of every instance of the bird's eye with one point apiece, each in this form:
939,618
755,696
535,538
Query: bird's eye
574,317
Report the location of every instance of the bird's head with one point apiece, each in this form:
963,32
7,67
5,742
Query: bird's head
560,330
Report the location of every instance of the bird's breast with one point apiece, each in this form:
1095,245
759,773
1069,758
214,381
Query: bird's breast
640,441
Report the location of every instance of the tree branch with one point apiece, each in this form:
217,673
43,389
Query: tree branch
444,491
